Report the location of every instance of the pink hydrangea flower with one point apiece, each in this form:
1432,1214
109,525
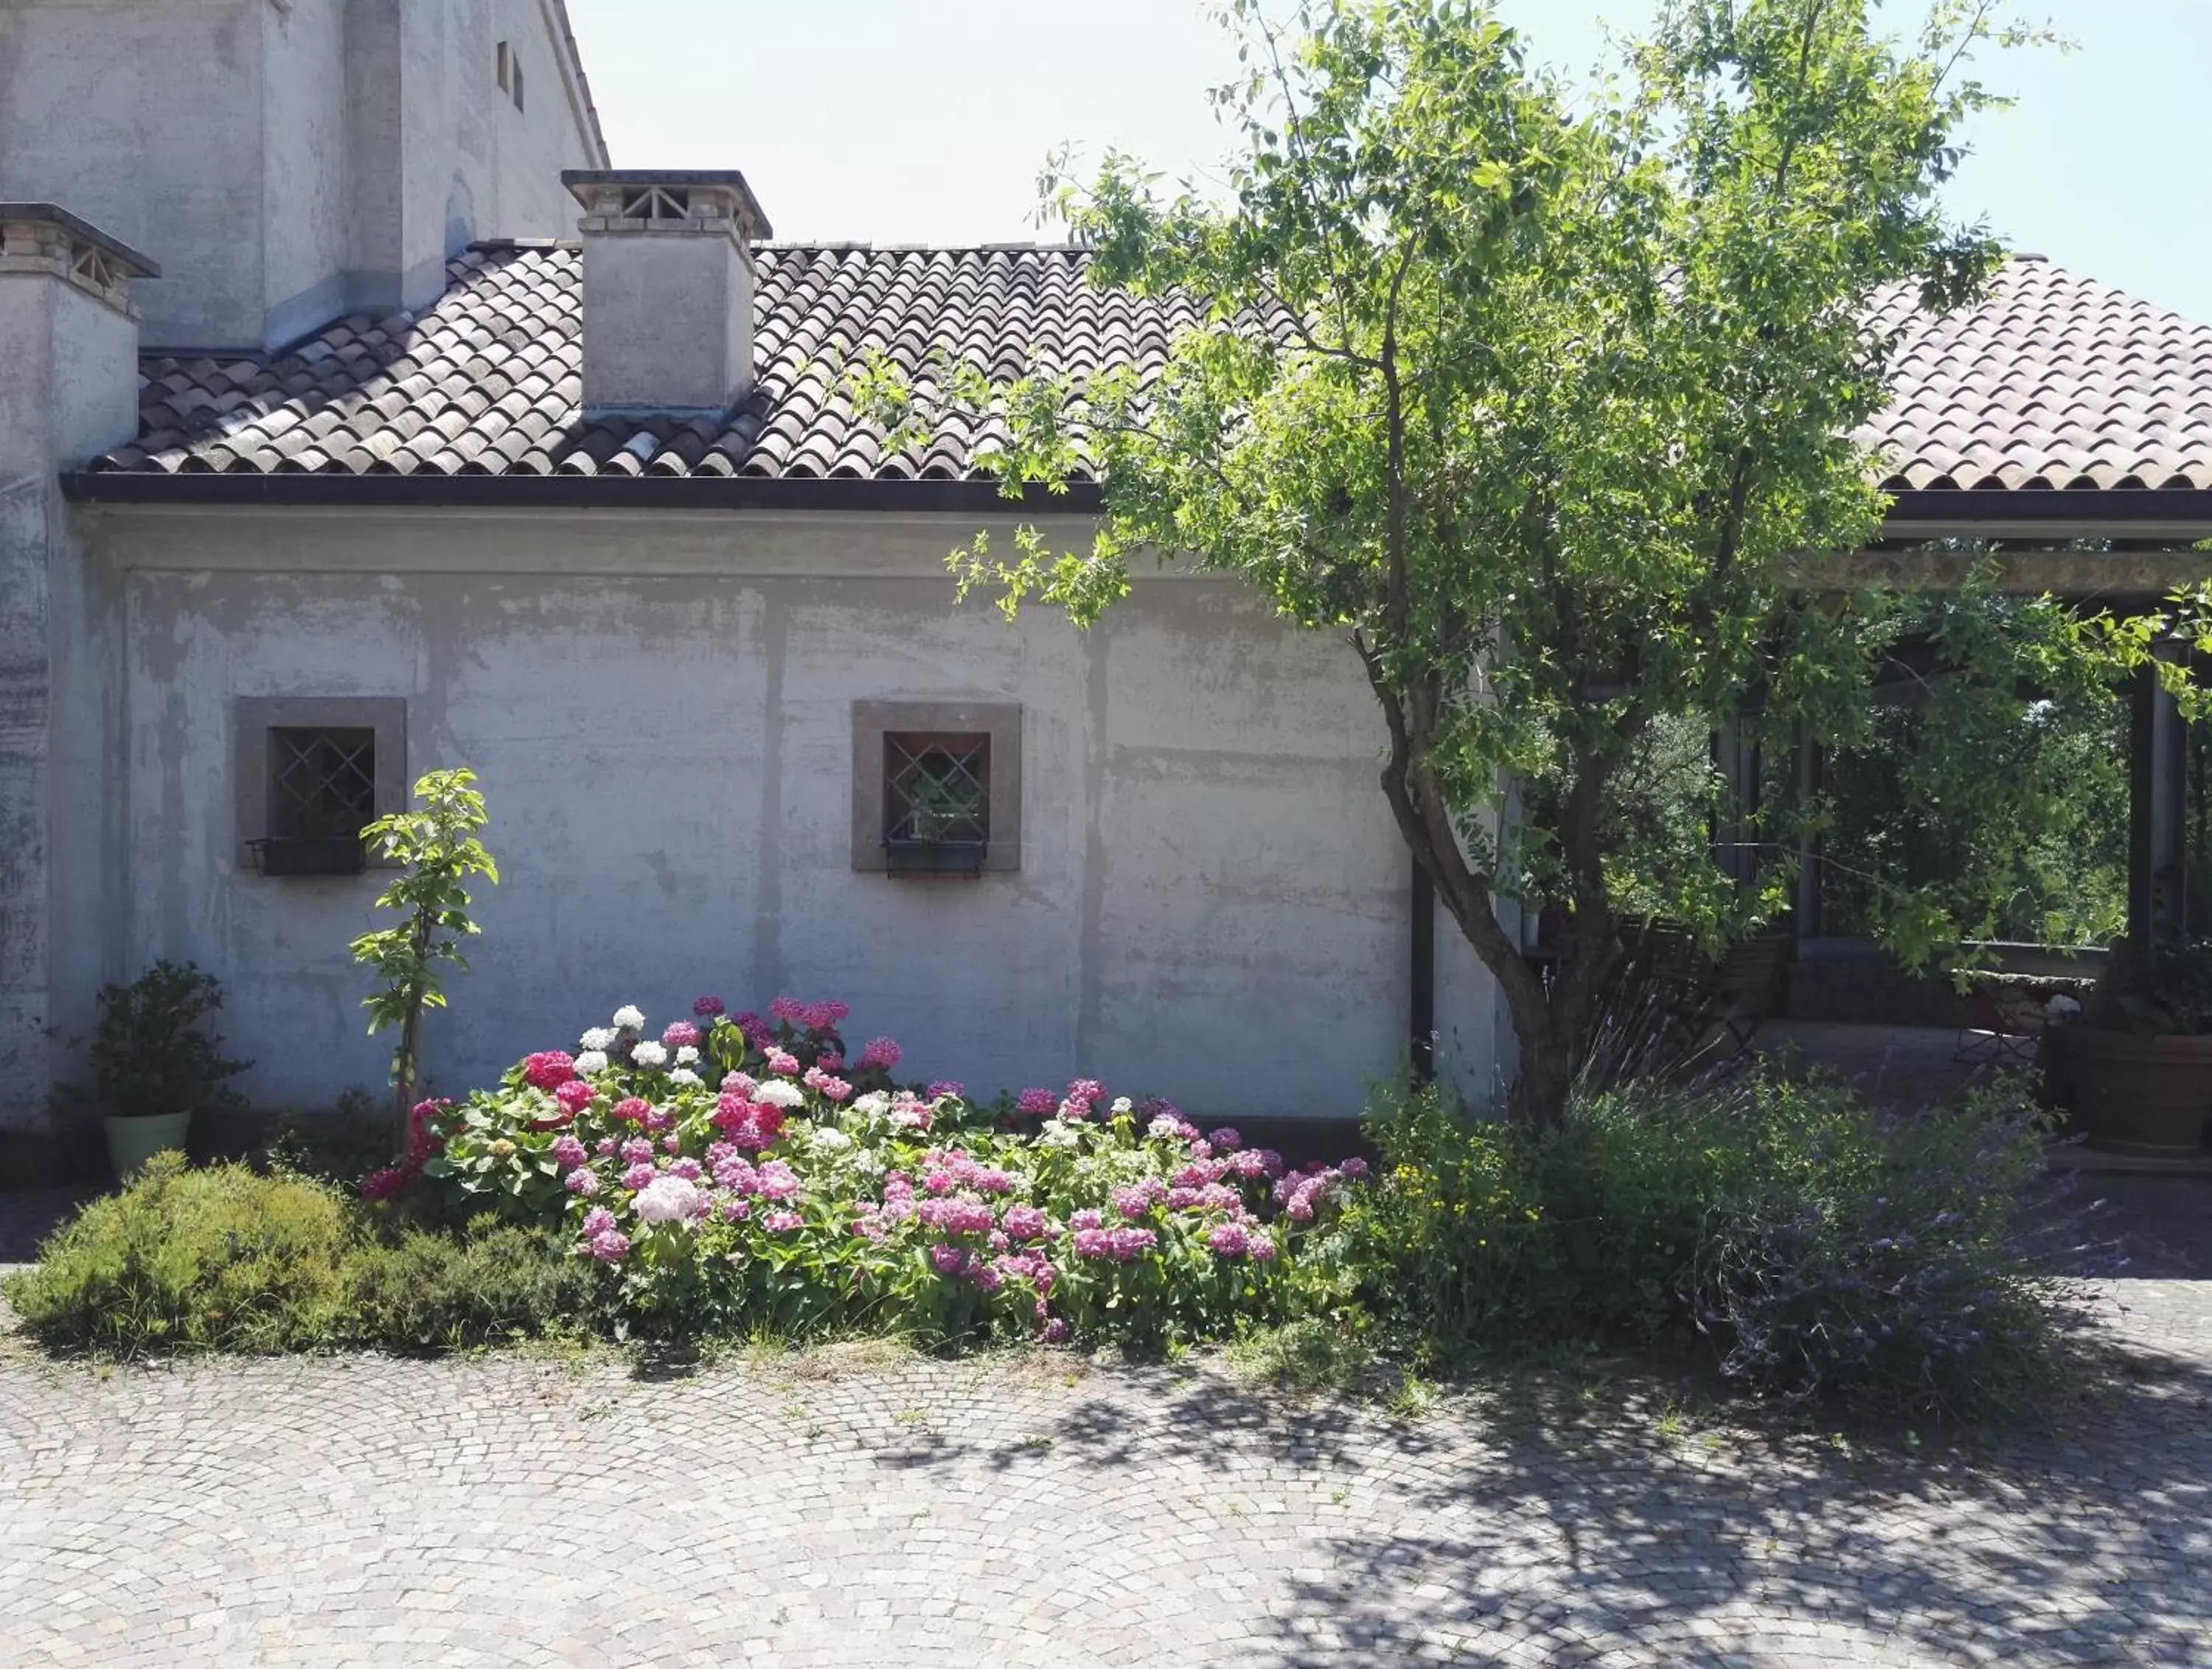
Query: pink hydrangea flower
549,1069
609,1246
782,1061
740,1084
1354,1167
386,1184
1093,1243
735,1210
1227,1240
633,1110
879,1053
1088,1218
598,1221
1129,1242
682,1034
779,1222
776,1181
605,1147
941,1087
987,1278
948,1260
1261,1246
672,1142
1024,1223
1089,1091
569,1152
639,1177
787,1008
574,1095
707,1007
689,1169
1056,1330
1225,1139
637,1151
1036,1103
583,1182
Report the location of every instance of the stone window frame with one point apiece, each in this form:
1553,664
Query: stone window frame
254,717
873,720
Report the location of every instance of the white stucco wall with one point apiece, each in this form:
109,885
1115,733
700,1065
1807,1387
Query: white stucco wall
284,159
1212,902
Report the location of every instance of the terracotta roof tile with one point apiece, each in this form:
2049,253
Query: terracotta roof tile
2055,381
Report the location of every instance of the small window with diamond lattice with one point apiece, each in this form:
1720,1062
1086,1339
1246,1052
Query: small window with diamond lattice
936,802
322,793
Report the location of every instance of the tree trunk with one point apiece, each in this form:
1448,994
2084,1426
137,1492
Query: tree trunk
403,1072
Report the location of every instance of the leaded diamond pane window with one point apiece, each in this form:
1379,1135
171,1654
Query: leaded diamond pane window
322,783
937,801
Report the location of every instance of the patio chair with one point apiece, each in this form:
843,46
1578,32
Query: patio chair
2004,1026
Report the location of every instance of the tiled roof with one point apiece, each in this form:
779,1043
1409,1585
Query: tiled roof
2054,381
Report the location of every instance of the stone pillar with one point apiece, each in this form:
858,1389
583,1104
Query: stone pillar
68,390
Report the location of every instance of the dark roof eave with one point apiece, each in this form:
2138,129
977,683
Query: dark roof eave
574,492
2081,512
2172,512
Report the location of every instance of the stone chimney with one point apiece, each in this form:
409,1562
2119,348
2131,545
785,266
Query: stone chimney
668,288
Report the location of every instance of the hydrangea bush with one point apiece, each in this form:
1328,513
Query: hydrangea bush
733,1172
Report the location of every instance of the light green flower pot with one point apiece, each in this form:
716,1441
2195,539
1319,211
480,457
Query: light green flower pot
132,1141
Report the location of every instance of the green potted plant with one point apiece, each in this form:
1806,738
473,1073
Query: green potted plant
2137,1065
155,1062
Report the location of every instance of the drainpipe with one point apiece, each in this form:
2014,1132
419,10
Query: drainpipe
1424,947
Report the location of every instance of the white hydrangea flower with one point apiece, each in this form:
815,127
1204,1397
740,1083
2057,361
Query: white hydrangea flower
873,1105
686,1056
869,1163
776,1092
668,1199
598,1040
1163,1127
831,1140
630,1017
683,1075
1123,1104
591,1063
648,1053
1057,1133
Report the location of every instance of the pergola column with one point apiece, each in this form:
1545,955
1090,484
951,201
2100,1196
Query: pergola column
2158,807
1735,824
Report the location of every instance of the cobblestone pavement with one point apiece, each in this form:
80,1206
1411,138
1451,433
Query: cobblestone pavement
824,1511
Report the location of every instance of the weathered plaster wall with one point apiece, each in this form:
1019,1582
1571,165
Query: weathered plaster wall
1211,901
285,161
147,121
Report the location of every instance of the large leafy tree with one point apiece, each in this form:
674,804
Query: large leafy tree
1542,406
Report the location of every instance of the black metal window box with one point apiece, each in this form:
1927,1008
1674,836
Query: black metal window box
958,860
336,855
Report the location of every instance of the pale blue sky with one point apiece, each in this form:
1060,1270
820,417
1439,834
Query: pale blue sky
924,121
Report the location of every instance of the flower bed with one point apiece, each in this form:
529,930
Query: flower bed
735,1172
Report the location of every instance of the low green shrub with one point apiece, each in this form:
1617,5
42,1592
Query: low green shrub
219,1258
1820,1248
489,1285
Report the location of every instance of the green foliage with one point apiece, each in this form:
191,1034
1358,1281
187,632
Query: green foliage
437,847
1819,1248
2166,991
152,1052
220,1258
228,1259
488,1284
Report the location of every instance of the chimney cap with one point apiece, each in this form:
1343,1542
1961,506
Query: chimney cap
674,194
120,255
